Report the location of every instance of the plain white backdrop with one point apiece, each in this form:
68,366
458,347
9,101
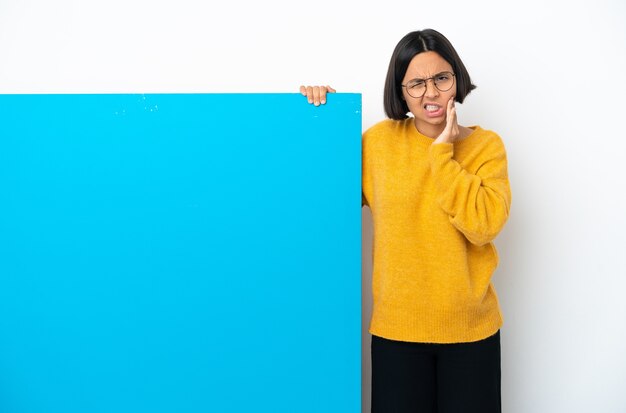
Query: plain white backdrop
550,79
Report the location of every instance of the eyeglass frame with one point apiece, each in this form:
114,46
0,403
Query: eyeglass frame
426,83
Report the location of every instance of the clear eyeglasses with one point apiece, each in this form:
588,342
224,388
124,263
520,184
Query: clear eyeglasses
417,87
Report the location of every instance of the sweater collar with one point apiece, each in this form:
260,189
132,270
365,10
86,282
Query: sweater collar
414,134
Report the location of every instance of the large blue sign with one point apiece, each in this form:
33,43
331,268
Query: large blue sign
180,253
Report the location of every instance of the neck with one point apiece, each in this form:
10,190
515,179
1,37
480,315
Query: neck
426,129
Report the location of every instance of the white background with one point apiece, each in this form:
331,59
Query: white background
550,79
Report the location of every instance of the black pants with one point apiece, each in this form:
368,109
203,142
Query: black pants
436,378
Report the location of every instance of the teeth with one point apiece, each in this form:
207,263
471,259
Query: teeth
432,108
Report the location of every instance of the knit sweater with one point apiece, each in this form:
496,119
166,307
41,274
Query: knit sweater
436,209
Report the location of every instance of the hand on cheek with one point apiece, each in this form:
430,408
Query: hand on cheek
451,131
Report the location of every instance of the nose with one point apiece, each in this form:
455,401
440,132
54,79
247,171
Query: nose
431,90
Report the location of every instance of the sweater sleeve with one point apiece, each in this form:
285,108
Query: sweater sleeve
478,205
365,173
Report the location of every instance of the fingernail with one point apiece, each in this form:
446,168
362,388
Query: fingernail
323,101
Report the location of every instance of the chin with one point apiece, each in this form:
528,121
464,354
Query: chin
433,121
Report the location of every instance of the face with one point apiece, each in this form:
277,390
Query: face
429,110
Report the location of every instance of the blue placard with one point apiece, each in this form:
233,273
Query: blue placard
180,253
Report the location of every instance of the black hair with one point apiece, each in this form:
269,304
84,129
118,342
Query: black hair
409,46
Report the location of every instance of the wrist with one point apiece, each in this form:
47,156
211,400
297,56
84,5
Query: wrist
440,140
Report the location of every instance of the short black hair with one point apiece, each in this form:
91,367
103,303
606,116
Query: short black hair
410,45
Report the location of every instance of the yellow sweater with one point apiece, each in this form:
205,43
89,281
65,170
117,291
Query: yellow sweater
436,210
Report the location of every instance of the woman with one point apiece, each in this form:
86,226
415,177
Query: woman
439,194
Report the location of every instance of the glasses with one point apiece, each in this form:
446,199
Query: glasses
443,81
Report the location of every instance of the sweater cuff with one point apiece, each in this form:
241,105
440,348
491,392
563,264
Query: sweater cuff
443,167
439,154
437,149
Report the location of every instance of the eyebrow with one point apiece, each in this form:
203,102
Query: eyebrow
423,78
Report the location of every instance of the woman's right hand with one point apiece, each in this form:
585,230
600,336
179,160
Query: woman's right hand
316,94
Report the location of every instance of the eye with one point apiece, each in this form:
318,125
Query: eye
415,84
443,77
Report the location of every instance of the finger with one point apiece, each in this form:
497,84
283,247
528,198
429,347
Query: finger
454,122
450,120
449,126
454,114
323,95
316,95
303,90
450,112
309,94
326,90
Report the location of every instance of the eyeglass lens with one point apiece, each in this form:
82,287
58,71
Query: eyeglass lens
443,81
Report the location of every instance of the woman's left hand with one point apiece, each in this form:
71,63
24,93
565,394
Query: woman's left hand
451,132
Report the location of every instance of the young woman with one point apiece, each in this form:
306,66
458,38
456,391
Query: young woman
439,194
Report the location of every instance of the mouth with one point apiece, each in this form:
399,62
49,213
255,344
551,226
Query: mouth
433,109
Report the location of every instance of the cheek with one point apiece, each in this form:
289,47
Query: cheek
410,102
414,107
